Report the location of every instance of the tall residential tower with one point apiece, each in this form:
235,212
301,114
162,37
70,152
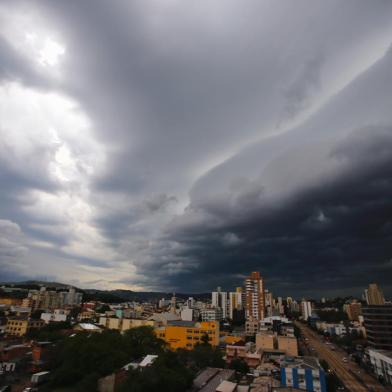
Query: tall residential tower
254,296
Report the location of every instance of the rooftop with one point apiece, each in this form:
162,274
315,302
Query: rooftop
226,386
88,326
220,376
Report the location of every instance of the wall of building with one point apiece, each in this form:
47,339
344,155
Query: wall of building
187,336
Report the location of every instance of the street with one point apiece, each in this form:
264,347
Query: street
351,375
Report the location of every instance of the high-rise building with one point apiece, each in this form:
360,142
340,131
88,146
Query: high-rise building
306,309
235,302
173,303
374,295
269,302
219,299
255,299
378,324
354,310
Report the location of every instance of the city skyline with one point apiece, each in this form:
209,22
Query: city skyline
183,145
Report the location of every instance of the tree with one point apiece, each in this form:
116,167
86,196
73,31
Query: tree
85,357
239,366
205,340
166,374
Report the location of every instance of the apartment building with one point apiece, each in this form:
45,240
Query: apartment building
185,334
21,326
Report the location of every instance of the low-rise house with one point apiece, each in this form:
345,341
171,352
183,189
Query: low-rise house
245,351
209,379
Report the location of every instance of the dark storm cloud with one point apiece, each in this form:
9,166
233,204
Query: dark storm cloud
173,178
194,79
335,234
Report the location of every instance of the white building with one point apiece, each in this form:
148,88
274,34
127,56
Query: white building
56,316
381,361
187,314
306,309
212,314
219,299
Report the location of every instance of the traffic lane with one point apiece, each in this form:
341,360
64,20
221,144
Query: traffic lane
353,366
336,357
334,362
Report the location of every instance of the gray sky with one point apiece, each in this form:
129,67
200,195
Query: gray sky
179,145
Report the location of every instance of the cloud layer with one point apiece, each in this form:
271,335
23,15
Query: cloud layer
180,145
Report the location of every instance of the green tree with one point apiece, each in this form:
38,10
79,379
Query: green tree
85,357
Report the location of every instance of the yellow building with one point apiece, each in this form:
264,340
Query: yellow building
87,314
231,339
270,342
10,301
265,342
123,324
289,345
185,334
20,326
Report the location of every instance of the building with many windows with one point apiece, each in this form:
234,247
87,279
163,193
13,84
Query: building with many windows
304,373
219,299
254,297
21,326
381,361
378,325
185,334
306,309
211,314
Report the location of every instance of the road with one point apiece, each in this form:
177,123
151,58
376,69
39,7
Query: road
347,372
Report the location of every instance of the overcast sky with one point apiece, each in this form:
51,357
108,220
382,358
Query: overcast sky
179,145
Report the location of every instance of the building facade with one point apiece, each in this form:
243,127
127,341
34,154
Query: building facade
21,326
381,361
308,379
183,334
354,310
306,310
378,325
254,297
374,295
220,299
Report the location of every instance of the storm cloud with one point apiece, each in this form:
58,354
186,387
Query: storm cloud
180,145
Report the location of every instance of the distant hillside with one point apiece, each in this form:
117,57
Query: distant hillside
141,296
108,296
36,284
